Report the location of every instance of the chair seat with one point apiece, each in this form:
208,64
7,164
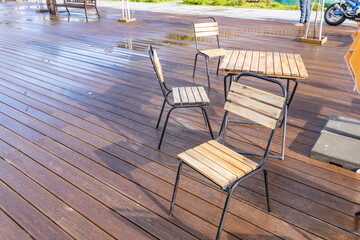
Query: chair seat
218,162
218,52
190,95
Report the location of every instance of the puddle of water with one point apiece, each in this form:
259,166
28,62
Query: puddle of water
59,18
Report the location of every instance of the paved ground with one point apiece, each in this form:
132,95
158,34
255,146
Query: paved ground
246,13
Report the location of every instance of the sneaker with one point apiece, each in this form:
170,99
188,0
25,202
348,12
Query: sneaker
298,24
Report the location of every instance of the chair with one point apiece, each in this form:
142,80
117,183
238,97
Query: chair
183,97
224,166
206,29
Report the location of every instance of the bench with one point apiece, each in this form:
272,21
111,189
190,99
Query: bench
86,4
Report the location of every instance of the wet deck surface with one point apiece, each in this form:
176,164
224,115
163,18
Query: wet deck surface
78,107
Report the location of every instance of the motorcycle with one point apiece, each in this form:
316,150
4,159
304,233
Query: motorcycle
338,12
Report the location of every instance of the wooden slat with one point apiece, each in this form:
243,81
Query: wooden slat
205,34
205,29
262,63
234,154
10,230
225,60
251,115
215,52
254,62
269,63
285,65
228,158
224,164
214,176
247,61
190,95
204,25
232,61
210,164
258,94
292,64
301,66
203,95
240,62
158,66
277,64
196,93
266,109
183,95
176,95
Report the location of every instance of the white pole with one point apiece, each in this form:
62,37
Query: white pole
308,24
128,9
122,4
322,18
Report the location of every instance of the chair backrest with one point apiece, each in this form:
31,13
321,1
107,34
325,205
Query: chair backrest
206,29
158,70
258,106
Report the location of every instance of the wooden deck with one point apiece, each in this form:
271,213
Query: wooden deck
78,108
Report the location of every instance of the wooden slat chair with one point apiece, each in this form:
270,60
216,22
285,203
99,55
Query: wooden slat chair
183,97
207,29
85,4
224,166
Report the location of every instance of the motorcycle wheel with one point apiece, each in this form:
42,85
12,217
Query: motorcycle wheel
331,19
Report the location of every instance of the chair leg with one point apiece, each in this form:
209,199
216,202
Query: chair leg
161,112
224,213
207,122
284,134
267,190
166,122
225,126
97,12
195,64
207,71
175,188
217,70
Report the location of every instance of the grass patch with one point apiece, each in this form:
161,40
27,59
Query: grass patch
243,4
150,1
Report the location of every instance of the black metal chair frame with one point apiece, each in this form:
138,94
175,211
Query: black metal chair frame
282,123
166,91
204,55
230,188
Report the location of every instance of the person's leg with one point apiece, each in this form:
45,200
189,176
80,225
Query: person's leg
302,10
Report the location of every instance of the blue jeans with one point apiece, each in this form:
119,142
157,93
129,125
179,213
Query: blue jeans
305,10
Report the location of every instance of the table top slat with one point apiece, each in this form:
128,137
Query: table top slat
293,67
240,62
262,63
301,66
285,64
254,62
247,61
277,64
233,60
269,64
225,61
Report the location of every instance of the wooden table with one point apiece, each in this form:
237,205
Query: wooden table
271,64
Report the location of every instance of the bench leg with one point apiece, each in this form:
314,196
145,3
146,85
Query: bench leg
67,10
